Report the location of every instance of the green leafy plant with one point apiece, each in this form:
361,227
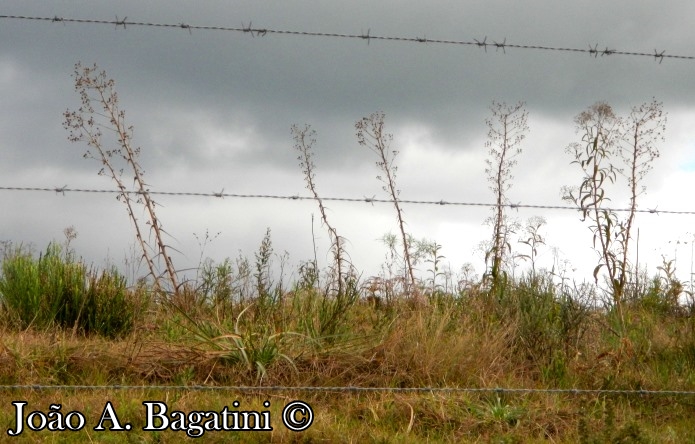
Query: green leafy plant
532,239
216,285
606,138
431,252
264,257
664,290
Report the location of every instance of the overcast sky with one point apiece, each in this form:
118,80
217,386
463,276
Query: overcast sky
212,110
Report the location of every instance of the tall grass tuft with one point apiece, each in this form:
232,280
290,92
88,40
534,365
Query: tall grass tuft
55,290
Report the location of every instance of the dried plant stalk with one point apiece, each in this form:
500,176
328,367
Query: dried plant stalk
507,129
371,134
100,110
304,141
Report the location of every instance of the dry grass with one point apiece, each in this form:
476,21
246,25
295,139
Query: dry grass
469,341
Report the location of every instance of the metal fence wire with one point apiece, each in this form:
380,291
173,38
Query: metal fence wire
354,389
256,31
370,200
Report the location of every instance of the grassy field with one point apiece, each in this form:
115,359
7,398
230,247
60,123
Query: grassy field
66,324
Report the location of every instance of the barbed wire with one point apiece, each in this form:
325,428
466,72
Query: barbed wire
371,200
368,37
355,389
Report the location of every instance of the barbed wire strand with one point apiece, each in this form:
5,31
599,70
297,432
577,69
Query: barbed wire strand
259,32
354,389
371,200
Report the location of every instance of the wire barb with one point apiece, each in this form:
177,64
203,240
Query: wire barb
593,51
247,29
500,45
482,44
120,23
366,36
607,52
659,55
185,26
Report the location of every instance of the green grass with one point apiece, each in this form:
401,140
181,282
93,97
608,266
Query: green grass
63,323
57,290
